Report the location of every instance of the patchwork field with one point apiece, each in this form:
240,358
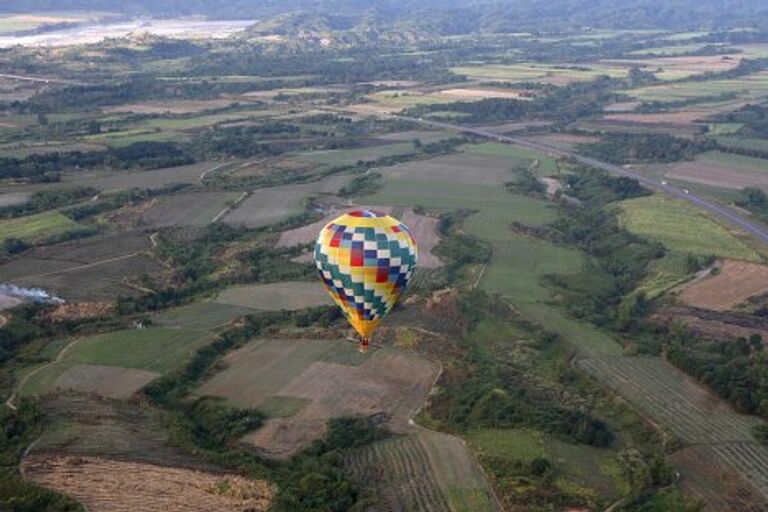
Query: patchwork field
677,68
266,206
747,87
171,107
90,269
193,209
736,282
593,469
114,455
456,169
555,75
276,296
156,350
422,472
681,227
542,163
495,211
723,170
303,383
691,413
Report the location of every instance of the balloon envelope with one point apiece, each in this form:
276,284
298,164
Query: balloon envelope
365,260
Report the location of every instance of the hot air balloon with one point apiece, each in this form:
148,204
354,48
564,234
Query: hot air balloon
365,260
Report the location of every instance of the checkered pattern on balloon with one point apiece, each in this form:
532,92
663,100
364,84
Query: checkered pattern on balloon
365,259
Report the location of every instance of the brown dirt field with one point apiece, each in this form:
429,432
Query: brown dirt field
692,64
736,282
472,94
106,381
171,107
424,230
393,384
117,486
717,175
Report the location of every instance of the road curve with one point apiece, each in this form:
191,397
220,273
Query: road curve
726,214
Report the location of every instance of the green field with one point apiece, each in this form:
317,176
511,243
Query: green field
200,315
158,350
757,144
333,157
739,162
682,228
581,468
518,262
538,73
38,226
750,86
546,165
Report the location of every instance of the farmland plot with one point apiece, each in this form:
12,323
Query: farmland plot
736,282
270,205
691,413
422,472
667,394
91,269
456,168
289,295
155,350
89,441
105,485
36,227
319,379
194,209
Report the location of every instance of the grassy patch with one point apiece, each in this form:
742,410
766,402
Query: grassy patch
682,228
34,227
159,350
546,165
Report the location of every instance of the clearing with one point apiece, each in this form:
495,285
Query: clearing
736,282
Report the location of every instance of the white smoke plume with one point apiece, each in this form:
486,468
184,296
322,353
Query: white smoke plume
30,294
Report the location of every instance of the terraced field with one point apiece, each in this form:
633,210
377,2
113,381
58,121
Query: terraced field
36,227
422,472
692,414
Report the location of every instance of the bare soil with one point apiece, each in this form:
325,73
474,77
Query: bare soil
121,486
736,282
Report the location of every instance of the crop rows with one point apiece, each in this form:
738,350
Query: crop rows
400,470
668,395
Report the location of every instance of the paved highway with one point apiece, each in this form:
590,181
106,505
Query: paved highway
727,214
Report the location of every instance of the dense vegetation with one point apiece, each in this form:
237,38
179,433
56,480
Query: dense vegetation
736,370
627,148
